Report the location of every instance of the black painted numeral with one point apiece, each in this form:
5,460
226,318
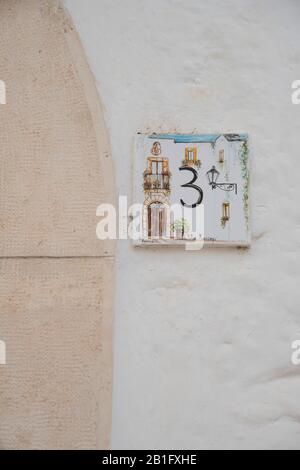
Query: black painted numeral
192,185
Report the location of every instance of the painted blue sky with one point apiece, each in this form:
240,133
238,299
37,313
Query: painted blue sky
197,138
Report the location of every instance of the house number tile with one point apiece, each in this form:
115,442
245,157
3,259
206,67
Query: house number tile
193,188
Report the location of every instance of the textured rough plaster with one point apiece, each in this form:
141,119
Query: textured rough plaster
56,277
202,340
53,135
56,388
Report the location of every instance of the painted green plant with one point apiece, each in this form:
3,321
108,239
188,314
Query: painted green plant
223,221
244,154
180,225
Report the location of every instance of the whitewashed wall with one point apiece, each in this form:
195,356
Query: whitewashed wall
203,340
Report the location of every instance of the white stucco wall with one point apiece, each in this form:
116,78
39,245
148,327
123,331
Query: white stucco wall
203,339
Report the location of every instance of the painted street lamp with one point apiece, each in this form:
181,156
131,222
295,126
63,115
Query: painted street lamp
213,176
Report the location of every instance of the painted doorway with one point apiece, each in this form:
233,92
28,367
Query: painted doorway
156,220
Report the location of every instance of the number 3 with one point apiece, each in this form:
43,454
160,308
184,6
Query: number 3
192,185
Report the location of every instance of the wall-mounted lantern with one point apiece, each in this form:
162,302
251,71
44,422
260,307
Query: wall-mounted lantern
213,176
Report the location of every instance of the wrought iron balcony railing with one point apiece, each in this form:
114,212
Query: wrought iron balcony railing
157,181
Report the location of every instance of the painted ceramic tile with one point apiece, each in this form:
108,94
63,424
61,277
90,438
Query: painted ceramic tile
193,188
